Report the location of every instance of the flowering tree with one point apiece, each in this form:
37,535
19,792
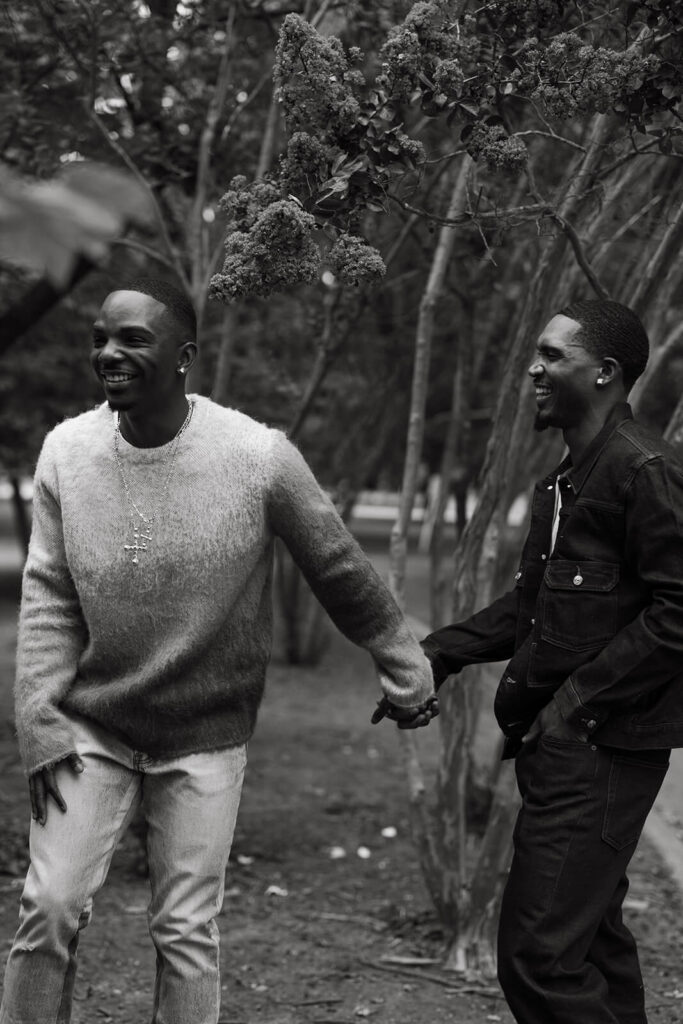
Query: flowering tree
549,128
399,222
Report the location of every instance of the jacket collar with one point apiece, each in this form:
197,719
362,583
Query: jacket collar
576,474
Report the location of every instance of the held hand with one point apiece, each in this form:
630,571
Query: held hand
406,718
551,722
43,783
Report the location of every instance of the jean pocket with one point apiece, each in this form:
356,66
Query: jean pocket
633,786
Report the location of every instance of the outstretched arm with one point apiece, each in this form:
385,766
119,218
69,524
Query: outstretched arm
342,578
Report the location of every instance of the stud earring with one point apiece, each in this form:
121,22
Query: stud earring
181,370
600,380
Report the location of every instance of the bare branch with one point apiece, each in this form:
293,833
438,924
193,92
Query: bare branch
659,264
551,135
321,12
206,140
573,239
146,250
242,106
626,226
646,151
447,156
517,211
135,170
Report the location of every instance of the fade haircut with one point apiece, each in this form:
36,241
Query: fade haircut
609,329
177,304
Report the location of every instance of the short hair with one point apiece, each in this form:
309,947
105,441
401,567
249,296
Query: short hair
608,328
176,302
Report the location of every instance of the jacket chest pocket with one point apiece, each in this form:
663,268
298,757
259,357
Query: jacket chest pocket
579,604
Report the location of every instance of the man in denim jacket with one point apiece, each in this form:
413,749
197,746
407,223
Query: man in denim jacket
592,699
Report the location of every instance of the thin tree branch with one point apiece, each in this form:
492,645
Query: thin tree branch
321,12
573,239
147,250
518,211
239,110
551,135
626,226
133,167
206,140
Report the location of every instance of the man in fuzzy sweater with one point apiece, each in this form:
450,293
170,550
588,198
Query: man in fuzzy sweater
145,631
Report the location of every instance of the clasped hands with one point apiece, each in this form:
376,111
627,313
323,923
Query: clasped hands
412,717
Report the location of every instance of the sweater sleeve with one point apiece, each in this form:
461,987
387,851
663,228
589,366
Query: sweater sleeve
341,577
51,629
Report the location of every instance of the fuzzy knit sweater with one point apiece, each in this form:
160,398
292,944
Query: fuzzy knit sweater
170,654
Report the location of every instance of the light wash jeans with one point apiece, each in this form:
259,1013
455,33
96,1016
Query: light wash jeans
190,805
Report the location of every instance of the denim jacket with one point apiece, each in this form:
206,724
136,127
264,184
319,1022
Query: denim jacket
596,624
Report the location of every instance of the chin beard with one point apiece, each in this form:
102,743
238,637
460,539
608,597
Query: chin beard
540,424
117,404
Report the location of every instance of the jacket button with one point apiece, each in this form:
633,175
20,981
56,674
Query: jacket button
533,622
578,580
591,724
518,575
509,679
543,557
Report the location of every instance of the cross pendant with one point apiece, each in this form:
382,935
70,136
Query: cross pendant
138,542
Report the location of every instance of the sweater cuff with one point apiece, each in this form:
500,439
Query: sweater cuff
577,714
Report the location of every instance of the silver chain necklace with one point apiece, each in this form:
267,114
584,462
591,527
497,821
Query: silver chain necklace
142,524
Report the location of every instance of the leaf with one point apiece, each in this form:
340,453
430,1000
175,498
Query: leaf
46,226
339,161
469,109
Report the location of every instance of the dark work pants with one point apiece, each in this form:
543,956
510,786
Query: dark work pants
564,954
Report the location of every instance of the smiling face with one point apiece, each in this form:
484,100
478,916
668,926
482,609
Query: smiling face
136,351
564,374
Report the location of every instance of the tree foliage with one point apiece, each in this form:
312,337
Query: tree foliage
388,200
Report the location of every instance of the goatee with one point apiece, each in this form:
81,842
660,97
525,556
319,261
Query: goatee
539,423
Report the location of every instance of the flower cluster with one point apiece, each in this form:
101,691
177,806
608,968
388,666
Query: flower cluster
417,47
568,76
244,203
305,165
449,78
275,254
352,260
316,81
526,16
498,150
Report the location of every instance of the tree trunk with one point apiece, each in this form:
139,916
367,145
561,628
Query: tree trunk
399,533
21,517
221,382
451,475
659,265
474,946
423,341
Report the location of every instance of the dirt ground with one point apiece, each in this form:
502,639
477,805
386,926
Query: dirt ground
320,893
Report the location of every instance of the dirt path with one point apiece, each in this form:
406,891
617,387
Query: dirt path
310,952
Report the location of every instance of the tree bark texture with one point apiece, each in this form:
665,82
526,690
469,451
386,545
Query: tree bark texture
21,516
418,398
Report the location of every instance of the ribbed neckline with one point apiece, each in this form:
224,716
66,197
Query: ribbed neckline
132,453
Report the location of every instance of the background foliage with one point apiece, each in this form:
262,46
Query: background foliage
374,208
